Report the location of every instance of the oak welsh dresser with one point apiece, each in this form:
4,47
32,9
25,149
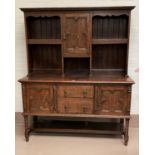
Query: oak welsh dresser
77,79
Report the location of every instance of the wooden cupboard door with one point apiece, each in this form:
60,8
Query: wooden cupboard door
111,100
76,35
40,98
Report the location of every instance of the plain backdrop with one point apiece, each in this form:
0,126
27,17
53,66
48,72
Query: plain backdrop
7,68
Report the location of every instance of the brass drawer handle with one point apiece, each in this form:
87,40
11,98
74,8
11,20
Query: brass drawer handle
84,33
66,108
85,109
65,93
84,93
76,18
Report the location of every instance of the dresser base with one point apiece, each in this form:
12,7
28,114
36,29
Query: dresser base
76,125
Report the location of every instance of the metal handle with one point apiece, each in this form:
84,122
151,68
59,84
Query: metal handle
76,18
77,36
84,33
85,93
66,108
84,109
65,93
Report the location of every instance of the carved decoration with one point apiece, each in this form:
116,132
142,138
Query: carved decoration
111,101
76,39
40,100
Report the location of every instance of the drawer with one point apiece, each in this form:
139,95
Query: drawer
75,91
75,106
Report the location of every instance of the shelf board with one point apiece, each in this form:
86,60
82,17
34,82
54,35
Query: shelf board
110,41
44,41
76,56
95,78
84,131
74,126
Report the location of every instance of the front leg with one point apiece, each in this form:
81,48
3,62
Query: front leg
26,128
126,131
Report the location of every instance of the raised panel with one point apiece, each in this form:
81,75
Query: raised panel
76,35
111,100
40,98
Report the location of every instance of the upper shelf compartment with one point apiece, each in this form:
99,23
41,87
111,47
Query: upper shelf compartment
110,27
43,27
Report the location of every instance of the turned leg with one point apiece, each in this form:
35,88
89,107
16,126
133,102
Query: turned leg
26,128
126,130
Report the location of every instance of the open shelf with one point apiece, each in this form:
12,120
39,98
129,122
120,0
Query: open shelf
44,41
46,124
76,56
109,58
44,27
76,66
106,27
45,58
110,41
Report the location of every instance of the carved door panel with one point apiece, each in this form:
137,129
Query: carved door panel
40,98
76,35
111,100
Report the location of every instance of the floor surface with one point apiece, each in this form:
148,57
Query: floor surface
61,144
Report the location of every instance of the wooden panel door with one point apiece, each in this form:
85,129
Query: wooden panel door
76,35
40,98
111,100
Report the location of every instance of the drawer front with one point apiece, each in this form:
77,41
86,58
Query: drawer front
111,100
75,106
40,98
75,91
